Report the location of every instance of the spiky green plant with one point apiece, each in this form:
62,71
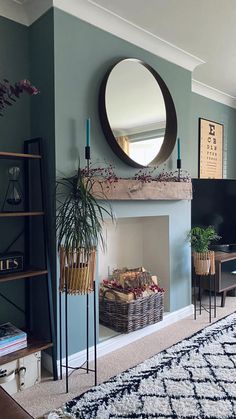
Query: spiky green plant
80,215
201,237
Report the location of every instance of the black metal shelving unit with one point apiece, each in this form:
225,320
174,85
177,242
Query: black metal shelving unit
32,273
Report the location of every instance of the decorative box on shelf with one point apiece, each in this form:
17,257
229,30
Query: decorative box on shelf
11,262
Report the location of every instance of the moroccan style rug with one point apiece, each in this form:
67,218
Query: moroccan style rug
195,378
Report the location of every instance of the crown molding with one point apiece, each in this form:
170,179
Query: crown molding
14,11
20,1
27,11
36,8
96,15
24,11
213,94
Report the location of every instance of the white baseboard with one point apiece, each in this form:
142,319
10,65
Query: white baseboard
120,341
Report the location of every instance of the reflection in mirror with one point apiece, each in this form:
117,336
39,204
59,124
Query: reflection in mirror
136,111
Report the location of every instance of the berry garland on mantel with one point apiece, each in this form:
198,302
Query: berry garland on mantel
146,175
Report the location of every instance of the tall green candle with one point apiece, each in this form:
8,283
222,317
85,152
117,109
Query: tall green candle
178,143
88,132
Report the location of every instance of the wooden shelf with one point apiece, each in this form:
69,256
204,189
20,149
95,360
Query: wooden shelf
7,155
224,256
24,274
34,345
21,214
129,189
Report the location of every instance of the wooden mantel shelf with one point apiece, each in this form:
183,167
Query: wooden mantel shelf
128,189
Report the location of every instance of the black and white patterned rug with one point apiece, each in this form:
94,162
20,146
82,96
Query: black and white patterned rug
195,378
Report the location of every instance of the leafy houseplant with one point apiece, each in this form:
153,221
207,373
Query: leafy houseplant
79,224
200,239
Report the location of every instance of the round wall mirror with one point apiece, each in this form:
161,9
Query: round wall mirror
137,113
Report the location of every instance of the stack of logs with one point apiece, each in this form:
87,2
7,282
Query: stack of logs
130,284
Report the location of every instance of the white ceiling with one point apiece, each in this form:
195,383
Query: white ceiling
204,28
202,33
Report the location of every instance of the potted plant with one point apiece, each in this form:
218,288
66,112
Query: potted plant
79,225
200,239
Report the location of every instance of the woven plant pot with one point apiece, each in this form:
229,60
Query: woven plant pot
77,269
204,263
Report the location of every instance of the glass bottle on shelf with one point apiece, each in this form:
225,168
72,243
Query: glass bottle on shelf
14,195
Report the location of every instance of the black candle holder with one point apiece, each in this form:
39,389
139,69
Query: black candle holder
87,152
179,167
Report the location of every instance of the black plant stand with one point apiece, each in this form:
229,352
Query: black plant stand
85,365
212,289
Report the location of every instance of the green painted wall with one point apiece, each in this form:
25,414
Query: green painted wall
83,54
14,66
14,129
41,35
203,107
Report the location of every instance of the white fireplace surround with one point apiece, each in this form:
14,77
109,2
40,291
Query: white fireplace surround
152,234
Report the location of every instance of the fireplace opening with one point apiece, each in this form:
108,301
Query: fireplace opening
136,242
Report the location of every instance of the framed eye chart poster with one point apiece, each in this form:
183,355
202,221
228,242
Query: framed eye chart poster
210,149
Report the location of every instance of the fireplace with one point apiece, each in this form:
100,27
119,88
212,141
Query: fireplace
152,234
137,241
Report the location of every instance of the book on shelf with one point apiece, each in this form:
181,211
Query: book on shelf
12,348
11,334
14,342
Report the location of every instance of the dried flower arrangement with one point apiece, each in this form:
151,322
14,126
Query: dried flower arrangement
10,92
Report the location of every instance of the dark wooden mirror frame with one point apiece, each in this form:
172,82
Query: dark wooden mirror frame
171,120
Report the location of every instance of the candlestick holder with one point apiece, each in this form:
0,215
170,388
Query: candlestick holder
87,153
179,168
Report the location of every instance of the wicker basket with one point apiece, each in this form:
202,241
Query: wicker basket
126,317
